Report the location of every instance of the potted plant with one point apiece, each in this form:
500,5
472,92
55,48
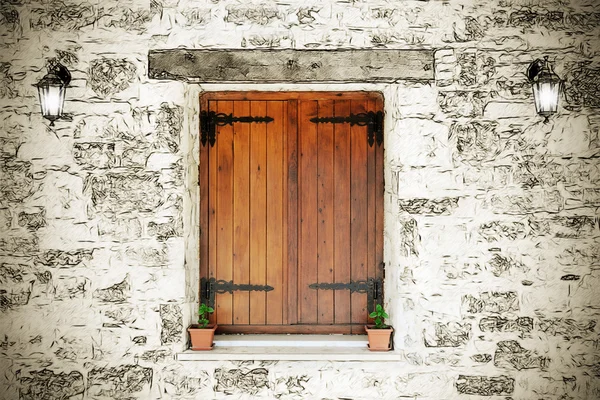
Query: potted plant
380,334
202,334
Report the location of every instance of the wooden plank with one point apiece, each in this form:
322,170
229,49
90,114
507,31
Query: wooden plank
342,212
358,212
287,96
284,228
371,203
224,217
241,213
273,65
379,206
324,183
204,207
307,193
258,215
212,210
275,199
294,329
292,211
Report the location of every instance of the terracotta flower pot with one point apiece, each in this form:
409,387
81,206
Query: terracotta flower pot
202,338
379,339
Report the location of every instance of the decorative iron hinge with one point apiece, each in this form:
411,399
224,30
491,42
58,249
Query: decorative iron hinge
209,120
372,120
210,287
373,287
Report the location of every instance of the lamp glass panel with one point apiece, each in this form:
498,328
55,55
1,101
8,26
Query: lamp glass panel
546,97
52,100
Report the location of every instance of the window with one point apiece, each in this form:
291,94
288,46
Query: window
291,210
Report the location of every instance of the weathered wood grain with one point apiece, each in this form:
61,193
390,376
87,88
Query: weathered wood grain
344,65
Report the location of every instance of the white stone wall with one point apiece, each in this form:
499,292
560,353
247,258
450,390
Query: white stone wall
491,226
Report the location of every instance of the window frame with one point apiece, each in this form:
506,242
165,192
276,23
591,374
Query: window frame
284,95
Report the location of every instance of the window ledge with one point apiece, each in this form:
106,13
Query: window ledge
290,348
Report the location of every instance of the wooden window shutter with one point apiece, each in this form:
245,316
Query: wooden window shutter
291,210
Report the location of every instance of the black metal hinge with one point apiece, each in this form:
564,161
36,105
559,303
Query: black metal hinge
373,287
372,120
210,287
209,120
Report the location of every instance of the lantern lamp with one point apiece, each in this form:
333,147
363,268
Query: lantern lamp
546,87
51,89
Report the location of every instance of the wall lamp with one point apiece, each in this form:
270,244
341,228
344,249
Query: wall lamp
51,89
546,87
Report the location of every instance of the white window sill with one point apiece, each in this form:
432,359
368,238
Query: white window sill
289,348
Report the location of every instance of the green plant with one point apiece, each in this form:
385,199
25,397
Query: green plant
379,315
203,312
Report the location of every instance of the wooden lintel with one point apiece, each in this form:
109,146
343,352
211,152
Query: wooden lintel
266,66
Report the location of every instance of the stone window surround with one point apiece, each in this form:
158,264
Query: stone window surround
190,205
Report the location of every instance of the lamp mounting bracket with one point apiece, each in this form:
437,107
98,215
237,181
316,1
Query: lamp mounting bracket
56,68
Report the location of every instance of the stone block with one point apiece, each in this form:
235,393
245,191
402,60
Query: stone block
499,324
419,142
540,173
441,206
122,229
14,296
17,182
487,178
32,221
171,323
50,385
491,302
252,14
499,230
451,334
123,381
570,135
528,202
8,85
108,76
501,109
419,101
117,293
181,383
169,122
241,380
93,155
5,219
475,142
67,287
567,328
475,68
463,103
510,354
61,258
120,193
67,17
583,84
501,265
19,245
146,255
481,358
133,20
485,385
165,230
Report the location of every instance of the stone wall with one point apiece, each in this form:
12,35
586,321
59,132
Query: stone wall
491,227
